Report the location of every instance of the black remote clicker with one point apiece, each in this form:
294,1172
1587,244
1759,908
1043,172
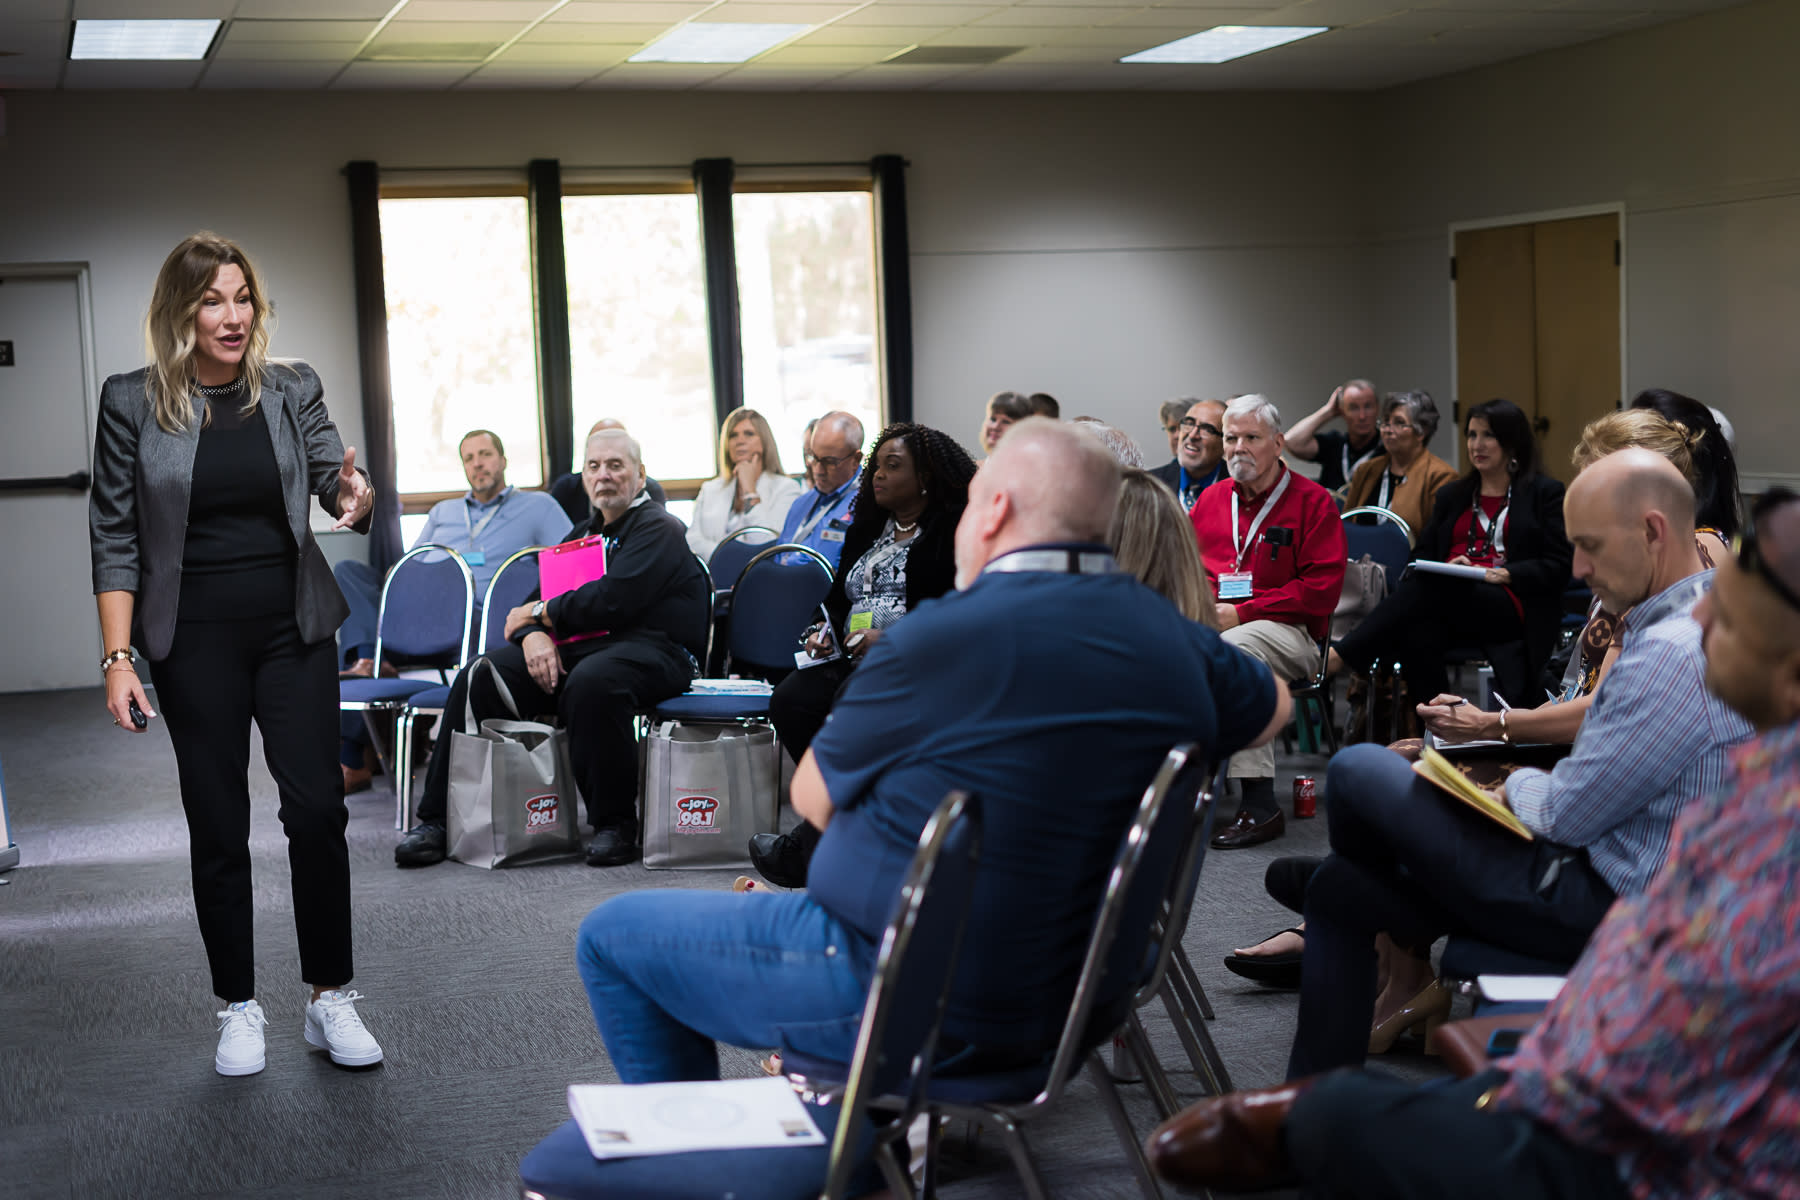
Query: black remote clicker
137,716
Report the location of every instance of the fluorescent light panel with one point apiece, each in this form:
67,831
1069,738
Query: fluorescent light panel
183,40
717,42
1222,43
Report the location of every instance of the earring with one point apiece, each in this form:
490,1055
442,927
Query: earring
1512,466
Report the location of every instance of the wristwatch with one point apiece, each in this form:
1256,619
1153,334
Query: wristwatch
537,611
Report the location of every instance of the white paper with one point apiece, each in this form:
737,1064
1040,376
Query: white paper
631,1120
1444,568
1450,748
730,687
1520,989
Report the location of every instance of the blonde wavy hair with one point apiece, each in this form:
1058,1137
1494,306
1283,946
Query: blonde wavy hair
771,452
169,332
1153,539
1642,428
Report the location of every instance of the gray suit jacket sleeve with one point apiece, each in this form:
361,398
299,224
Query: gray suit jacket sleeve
112,504
324,448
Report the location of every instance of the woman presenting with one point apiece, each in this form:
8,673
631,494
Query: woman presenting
204,465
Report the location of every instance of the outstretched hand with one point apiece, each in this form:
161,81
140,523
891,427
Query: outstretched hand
355,496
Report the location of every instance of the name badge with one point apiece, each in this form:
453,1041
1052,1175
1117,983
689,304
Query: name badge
474,558
1234,585
831,535
861,620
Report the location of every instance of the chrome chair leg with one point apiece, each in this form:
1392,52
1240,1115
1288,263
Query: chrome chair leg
1121,1123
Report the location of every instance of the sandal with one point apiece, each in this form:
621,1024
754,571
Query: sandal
1270,970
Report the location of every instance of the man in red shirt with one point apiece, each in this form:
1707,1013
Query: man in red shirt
1273,548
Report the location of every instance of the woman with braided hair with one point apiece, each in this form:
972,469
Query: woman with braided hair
899,551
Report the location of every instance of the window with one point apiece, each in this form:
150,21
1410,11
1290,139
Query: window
637,326
806,296
461,346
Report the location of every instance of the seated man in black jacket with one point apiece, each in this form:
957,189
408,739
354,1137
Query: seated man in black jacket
652,603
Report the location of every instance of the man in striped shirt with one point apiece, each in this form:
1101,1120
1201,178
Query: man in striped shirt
1409,862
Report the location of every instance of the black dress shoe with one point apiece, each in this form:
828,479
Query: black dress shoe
780,859
1248,830
613,848
423,845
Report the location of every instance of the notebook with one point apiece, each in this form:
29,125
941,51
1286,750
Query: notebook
1439,770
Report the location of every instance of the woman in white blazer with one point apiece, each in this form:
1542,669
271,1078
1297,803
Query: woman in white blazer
751,488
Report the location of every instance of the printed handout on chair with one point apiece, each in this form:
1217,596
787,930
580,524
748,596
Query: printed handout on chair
1459,570
622,1120
1520,989
730,687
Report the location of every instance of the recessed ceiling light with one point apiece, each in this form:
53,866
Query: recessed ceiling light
717,42
142,40
1222,43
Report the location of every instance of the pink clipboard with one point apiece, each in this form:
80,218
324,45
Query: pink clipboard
566,567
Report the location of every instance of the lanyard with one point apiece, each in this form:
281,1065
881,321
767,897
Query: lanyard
1493,532
474,529
1388,483
1367,450
822,505
1062,562
1238,547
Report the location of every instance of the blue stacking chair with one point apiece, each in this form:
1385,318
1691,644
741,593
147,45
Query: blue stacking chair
1123,940
426,617
1388,541
733,554
516,579
895,1044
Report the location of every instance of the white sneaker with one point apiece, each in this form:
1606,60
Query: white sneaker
240,1039
332,1025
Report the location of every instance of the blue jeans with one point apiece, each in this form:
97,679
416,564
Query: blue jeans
669,973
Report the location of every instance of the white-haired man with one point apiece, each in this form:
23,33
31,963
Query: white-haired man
1273,548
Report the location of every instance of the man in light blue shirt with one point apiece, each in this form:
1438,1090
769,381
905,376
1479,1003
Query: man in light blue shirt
821,514
486,525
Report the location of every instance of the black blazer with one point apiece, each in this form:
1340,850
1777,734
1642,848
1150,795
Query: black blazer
1537,552
930,564
137,511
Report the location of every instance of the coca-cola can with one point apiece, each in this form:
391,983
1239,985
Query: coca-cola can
1306,797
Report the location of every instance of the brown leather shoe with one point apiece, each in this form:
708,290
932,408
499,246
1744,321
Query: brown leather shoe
1246,830
1233,1143
364,668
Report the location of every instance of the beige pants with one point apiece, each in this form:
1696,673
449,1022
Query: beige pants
1290,652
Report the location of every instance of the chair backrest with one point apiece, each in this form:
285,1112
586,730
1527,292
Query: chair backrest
910,984
1136,890
516,579
1184,881
712,616
1383,516
427,610
1386,542
734,552
774,601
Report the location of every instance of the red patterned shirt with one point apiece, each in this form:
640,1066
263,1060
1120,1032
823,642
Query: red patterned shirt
1675,1044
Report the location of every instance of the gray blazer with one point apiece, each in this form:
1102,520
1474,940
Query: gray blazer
137,512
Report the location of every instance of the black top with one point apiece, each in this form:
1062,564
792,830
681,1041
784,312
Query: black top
930,564
654,589
1334,448
239,557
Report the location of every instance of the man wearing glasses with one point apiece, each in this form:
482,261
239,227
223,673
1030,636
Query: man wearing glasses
1199,460
821,514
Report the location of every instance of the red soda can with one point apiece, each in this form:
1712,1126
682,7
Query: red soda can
1306,797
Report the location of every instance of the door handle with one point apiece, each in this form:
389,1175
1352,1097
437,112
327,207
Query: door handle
1540,426
75,482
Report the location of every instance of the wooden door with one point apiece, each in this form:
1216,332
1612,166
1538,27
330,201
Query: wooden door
1537,322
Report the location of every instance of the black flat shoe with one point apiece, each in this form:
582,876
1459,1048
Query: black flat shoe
423,845
1247,830
613,848
1270,970
780,859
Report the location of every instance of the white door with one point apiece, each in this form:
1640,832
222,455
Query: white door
50,637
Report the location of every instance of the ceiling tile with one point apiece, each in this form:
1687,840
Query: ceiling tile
806,55
22,11
423,76
448,31
594,56
841,34
798,14
941,15
674,76
142,9
602,35
323,10
34,37
250,75
1047,17
994,35
241,32
536,78
899,78
297,52
667,12
90,74
757,78
1181,23
517,11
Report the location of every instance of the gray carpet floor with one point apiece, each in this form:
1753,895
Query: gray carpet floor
107,1087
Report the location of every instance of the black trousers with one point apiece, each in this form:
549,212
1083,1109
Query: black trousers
1411,862
597,699
797,708
1356,1135
218,677
1422,619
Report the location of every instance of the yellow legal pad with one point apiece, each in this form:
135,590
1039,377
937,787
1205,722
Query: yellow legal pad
1439,770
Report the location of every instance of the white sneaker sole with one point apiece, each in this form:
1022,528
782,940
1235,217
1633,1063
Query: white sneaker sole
317,1039
223,1068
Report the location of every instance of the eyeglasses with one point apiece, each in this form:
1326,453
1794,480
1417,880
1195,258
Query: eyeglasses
830,462
1188,423
1396,426
1750,559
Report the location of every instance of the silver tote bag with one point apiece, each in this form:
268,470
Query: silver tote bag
512,794
707,790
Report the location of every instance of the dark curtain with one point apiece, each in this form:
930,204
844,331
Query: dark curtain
376,455
718,249
550,278
893,282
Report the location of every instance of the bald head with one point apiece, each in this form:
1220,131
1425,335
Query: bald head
1045,482
1630,517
